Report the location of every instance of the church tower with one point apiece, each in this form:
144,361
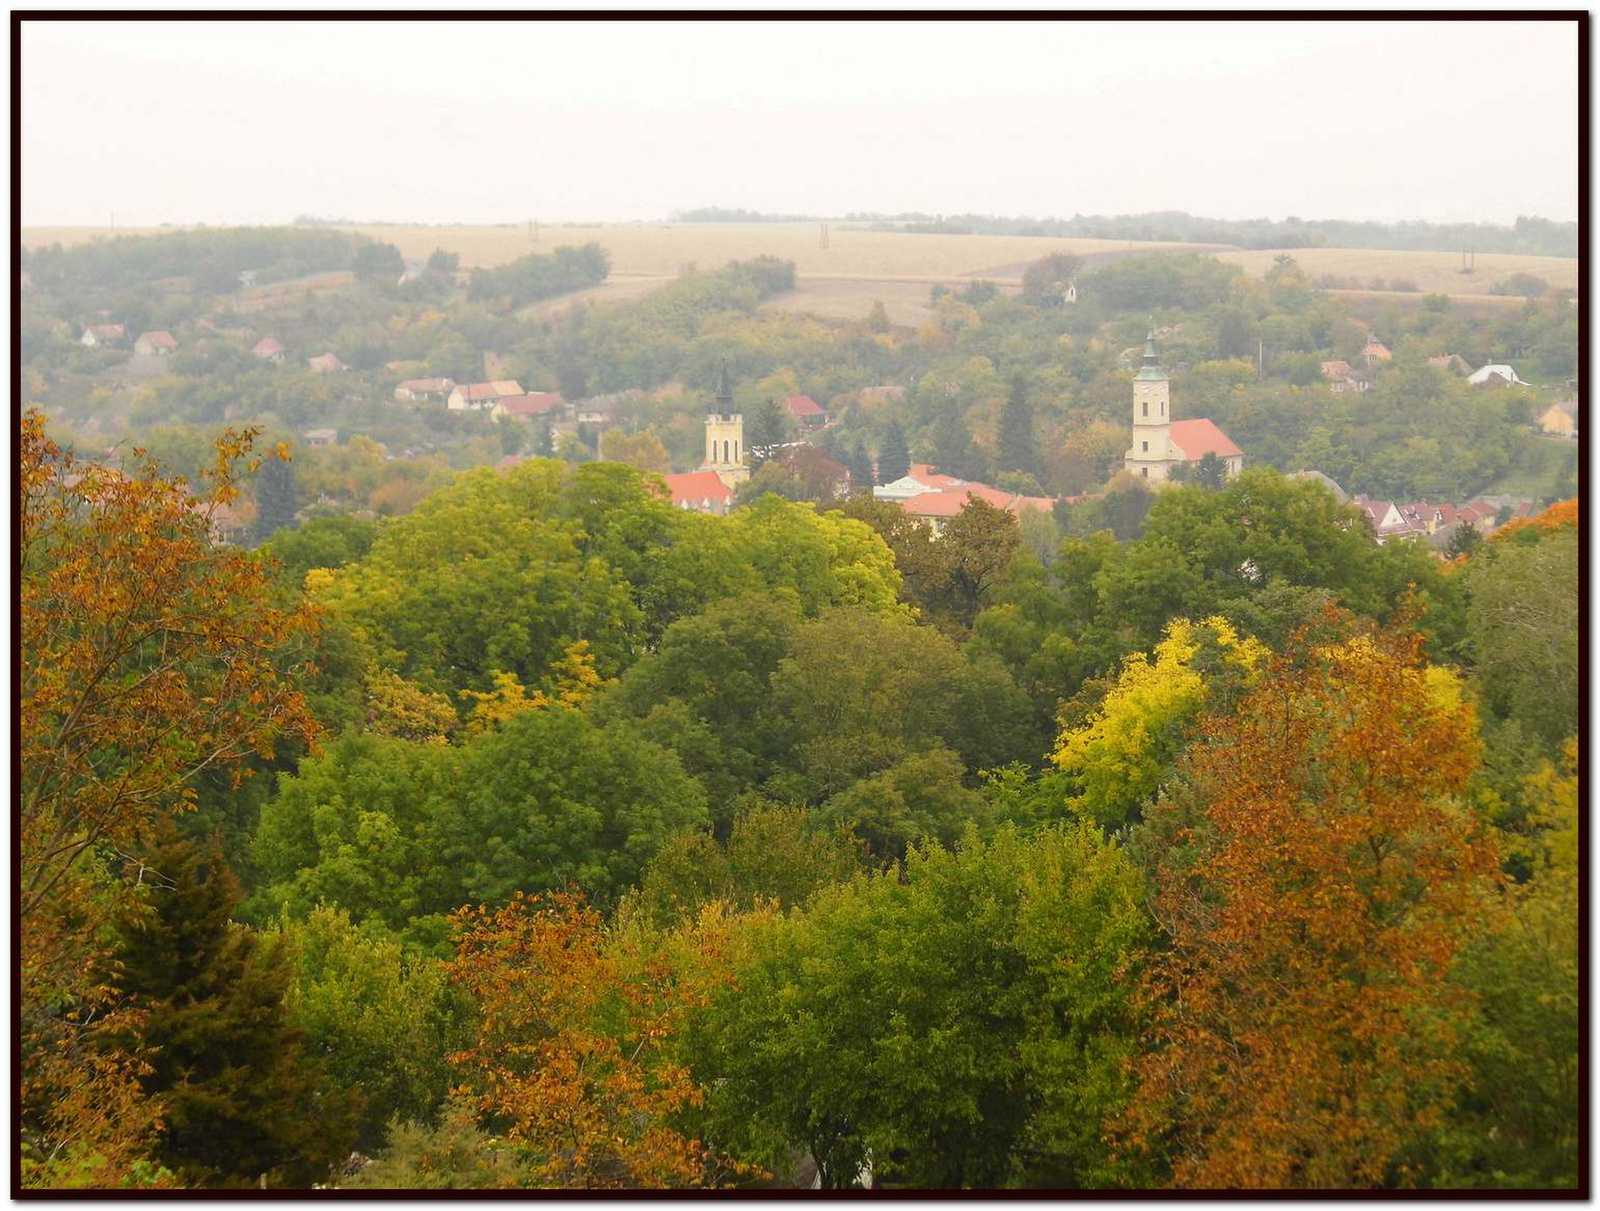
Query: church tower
1152,451
725,436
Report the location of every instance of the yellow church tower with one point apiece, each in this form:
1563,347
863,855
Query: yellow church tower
1152,451
725,436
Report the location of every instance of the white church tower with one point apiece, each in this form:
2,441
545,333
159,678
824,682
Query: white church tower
725,436
1152,451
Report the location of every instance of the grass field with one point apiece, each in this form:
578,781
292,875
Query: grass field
861,267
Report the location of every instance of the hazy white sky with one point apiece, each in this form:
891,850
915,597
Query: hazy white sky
474,121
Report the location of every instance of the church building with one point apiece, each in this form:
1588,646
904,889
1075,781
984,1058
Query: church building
725,437
1161,443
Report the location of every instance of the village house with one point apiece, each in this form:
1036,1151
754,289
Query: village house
805,411
424,389
325,363
1375,351
317,438
1496,375
157,344
1161,443
269,349
1342,378
1560,419
527,407
934,498
480,397
96,335
699,492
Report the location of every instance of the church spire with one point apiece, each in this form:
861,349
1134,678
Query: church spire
1152,365
724,392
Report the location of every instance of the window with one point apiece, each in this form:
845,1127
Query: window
1145,445
735,451
725,457
1145,471
1146,408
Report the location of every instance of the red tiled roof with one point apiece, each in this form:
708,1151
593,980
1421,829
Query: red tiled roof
426,384
163,339
803,405
107,332
1199,437
266,346
495,390
924,473
948,501
695,487
534,404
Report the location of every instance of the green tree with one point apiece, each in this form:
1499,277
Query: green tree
378,263
1017,451
243,1098
894,457
275,499
1044,282
920,799
860,468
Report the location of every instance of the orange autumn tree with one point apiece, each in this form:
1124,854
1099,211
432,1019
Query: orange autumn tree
572,1059
1315,874
148,655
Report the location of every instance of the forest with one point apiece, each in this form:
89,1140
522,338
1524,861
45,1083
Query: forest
472,818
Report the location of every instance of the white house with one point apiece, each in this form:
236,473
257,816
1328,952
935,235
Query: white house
1496,375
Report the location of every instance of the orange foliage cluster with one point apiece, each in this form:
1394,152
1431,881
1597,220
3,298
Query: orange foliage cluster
1559,516
572,1047
148,655
1318,886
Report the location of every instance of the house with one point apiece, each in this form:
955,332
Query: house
424,388
269,349
317,438
933,498
1375,351
1161,443
158,344
325,363
1560,419
480,397
699,492
527,407
1452,362
1342,378
805,411
597,412
1385,520
1497,375
96,335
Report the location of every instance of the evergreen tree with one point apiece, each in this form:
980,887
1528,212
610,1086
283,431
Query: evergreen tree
765,427
274,499
544,445
860,467
1210,472
1463,540
1017,451
953,450
241,1098
894,456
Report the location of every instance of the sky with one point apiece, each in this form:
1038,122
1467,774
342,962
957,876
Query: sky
257,122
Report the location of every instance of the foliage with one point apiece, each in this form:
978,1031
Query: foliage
540,276
452,1154
1315,877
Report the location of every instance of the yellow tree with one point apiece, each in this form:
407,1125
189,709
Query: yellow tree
148,655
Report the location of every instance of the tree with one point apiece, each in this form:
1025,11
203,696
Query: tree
878,319
242,1100
378,263
860,468
573,1048
1316,876
894,457
1016,449
1044,282
444,263
1464,539
958,1022
147,657
919,799
642,450
275,503
1210,472
766,426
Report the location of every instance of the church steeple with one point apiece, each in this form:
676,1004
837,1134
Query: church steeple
724,392
725,452
1152,365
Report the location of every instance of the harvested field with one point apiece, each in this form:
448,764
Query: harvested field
1431,272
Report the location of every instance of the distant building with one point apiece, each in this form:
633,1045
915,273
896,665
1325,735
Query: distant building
269,349
934,498
424,389
96,335
1375,351
1497,375
807,413
480,397
699,492
725,452
1341,378
325,363
527,407
1161,443
1561,419
158,344
316,438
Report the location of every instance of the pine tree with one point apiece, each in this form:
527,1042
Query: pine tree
860,468
953,450
1017,451
765,427
241,1098
544,445
274,499
894,457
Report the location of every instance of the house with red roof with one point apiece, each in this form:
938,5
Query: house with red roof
155,343
481,397
1342,378
103,334
699,492
269,349
326,363
527,407
934,498
424,388
807,413
1160,443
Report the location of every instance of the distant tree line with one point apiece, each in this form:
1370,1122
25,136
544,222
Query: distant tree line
541,275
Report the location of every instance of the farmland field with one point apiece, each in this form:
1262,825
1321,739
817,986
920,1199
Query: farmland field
862,267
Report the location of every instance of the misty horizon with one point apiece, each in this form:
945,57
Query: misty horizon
230,123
